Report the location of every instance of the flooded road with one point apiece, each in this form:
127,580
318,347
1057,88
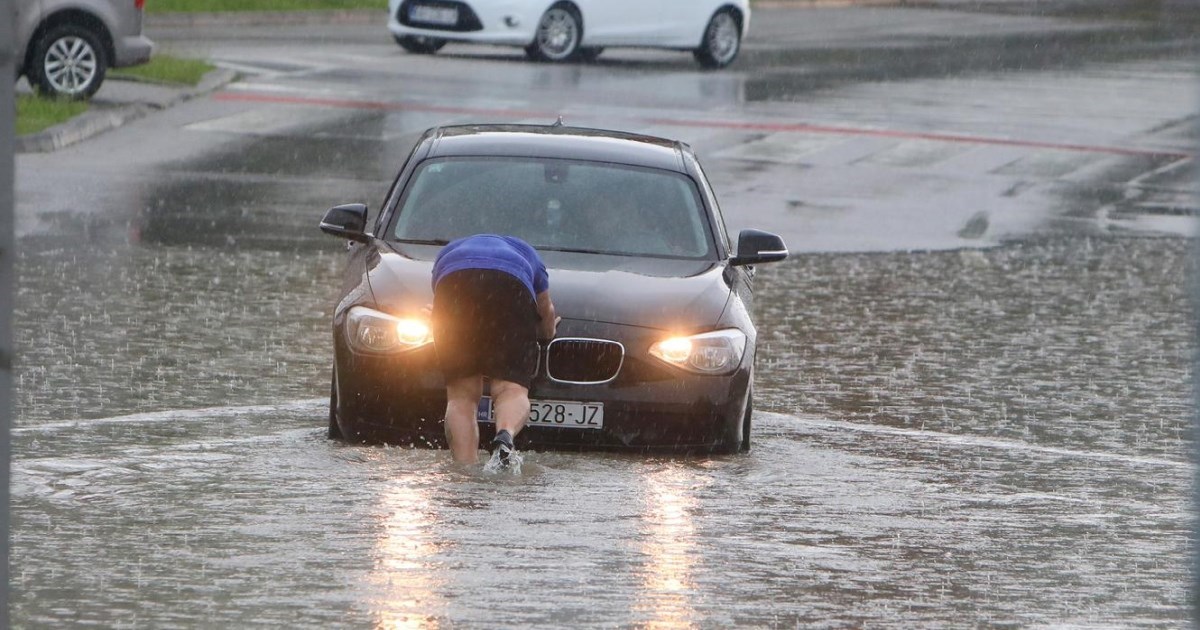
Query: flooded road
999,437
972,390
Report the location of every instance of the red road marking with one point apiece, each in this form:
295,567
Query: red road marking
255,97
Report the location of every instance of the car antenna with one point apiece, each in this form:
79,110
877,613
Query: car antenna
558,123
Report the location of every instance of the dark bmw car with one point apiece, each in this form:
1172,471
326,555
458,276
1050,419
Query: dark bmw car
656,346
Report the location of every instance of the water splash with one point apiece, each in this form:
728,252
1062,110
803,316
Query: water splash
495,467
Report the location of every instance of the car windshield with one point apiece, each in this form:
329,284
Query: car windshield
555,204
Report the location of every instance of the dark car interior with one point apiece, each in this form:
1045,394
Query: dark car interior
557,205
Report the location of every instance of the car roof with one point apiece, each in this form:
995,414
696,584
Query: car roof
558,141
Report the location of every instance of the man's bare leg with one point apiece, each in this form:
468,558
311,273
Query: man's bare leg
462,429
510,403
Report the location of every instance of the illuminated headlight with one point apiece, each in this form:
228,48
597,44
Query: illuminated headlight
718,352
372,331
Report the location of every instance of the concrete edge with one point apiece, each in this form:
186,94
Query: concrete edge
828,4
97,121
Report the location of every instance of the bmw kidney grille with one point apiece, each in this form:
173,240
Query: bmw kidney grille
583,361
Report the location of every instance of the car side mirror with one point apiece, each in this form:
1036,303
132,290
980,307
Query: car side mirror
347,221
756,246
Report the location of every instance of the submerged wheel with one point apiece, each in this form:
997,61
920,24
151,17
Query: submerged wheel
721,42
737,434
335,429
68,61
745,446
558,35
420,44
590,53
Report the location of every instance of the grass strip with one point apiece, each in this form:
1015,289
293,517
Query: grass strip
212,6
35,113
166,69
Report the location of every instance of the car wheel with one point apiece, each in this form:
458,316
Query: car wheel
591,53
335,429
722,41
737,434
558,35
745,447
420,44
68,62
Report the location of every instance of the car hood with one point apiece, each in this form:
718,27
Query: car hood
667,294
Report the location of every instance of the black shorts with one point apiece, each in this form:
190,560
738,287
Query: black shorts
485,323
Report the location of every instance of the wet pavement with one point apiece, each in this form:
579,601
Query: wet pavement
972,389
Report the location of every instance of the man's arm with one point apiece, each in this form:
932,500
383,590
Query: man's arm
545,308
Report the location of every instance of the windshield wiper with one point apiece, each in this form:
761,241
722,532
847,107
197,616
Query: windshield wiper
573,250
423,241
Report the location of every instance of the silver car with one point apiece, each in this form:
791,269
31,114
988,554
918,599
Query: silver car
65,47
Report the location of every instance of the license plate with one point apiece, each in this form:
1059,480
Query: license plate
565,414
444,16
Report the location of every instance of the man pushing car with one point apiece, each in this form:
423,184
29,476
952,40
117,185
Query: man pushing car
491,303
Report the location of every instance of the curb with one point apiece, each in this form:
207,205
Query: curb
833,4
97,121
82,127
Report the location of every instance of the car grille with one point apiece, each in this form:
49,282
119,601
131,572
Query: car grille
584,361
467,19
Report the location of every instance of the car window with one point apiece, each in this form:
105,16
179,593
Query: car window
557,205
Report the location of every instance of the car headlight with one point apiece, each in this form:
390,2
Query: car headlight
717,352
372,331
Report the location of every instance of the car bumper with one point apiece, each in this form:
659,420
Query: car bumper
502,24
401,401
131,51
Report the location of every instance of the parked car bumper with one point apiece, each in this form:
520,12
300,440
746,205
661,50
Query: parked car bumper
132,50
503,25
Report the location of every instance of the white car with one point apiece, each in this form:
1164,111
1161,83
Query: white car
562,30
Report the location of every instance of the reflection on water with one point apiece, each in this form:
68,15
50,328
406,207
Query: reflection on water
249,518
404,565
666,598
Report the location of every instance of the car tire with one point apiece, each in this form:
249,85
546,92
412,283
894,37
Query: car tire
557,36
737,434
67,61
746,419
335,429
419,44
722,40
590,53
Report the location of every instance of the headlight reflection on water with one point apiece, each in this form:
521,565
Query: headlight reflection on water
666,598
409,592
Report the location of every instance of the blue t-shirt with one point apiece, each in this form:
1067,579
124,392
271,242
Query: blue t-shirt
489,251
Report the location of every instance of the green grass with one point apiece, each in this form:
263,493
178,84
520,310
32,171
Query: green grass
35,113
166,69
198,6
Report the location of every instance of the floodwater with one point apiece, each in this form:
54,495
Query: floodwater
993,437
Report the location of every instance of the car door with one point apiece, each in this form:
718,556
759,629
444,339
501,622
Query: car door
682,22
620,22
